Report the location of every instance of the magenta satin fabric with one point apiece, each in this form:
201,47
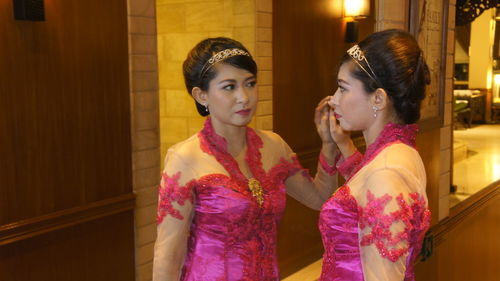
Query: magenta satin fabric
232,238
338,223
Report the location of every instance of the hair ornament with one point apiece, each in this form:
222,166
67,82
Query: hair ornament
223,55
358,56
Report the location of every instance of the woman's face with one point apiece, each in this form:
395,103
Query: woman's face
232,96
351,102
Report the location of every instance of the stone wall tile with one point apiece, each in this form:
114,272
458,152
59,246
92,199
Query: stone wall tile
264,122
144,179
148,195
144,81
264,63
149,139
145,101
145,215
444,207
142,44
264,6
146,234
445,159
143,8
144,63
145,254
264,108
142,25
264,49
445,138
444,184
264,20
146,159
264,35
265,93
145,120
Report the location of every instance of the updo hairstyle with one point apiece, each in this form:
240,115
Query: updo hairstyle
399,68
198,73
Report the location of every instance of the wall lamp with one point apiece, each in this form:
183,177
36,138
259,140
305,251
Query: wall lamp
354,10
30,10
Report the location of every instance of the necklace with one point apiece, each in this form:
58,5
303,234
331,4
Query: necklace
216,146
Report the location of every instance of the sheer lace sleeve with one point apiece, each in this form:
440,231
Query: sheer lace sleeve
310,192
175,211
390,216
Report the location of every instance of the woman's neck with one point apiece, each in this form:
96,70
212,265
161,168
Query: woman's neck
234,135
373,131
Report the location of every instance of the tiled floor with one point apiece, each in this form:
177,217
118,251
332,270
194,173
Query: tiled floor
481,164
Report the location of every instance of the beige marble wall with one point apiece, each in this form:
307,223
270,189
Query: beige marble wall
182,24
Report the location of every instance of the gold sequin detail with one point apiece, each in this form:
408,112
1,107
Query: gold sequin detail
256,189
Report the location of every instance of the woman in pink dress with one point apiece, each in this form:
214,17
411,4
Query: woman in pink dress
223,190
372,227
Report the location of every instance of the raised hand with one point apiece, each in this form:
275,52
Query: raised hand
322,121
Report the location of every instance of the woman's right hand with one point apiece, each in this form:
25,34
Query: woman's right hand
322,121
340,136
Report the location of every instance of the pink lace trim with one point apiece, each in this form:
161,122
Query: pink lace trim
216,145
330,170
392,133
170,191
415,216
348,166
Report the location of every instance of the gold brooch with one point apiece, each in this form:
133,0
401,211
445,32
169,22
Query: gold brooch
256,189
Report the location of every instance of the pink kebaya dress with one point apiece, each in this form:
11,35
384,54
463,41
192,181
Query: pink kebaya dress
372,227
205,200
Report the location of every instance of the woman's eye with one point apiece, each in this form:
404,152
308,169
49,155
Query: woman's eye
229,87
251,84
342,89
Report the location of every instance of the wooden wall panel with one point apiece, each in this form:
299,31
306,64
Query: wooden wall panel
466,243
65,144
100,250
308,42
64,106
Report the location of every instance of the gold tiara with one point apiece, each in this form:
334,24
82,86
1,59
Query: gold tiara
358,56
223,55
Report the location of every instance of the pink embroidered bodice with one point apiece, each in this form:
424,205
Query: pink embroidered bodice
372,227
231,236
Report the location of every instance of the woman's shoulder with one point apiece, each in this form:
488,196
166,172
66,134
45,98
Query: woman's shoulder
185,150
401,155
269,136
401,161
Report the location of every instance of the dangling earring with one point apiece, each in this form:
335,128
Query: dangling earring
375,111
206,108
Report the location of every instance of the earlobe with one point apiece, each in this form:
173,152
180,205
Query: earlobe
199,95
380,98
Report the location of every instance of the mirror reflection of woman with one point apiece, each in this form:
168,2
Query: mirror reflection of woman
223,190
372,227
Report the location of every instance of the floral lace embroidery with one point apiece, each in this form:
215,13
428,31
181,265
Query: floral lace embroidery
392,133
330,170
170,191
216,145
415,216
348,166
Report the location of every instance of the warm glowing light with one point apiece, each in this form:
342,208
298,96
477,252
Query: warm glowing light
497,79
356,8
495,167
